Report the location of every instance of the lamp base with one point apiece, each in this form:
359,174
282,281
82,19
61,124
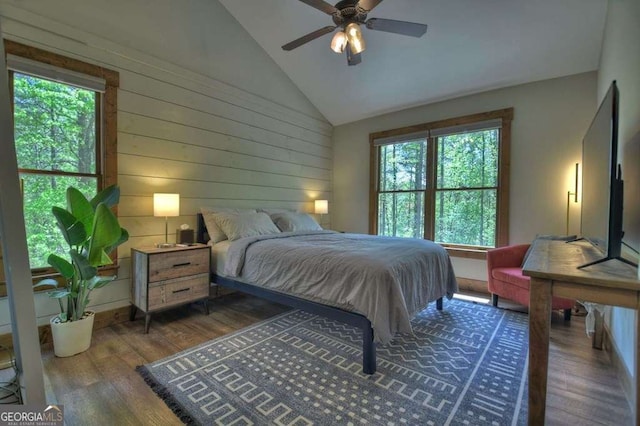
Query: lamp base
165,245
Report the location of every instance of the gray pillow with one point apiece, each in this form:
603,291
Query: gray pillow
276,210
245,224
292,221
208,213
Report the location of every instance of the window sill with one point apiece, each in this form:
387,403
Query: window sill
39,275
467,253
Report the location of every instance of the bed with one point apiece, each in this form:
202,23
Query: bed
362,280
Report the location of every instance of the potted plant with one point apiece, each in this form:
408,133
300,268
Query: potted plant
92,231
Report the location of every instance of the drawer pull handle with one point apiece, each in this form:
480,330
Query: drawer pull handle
182,264
181,290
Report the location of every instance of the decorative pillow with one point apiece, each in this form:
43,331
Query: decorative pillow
246,224
215,233
291,221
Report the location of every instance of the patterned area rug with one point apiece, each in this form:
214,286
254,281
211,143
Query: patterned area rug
466,365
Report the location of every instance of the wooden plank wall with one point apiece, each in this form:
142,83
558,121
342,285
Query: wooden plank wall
182,132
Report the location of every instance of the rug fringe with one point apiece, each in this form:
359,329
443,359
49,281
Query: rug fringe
164,394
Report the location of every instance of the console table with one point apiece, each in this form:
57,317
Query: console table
552,266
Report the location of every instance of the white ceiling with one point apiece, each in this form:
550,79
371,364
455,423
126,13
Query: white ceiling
470,46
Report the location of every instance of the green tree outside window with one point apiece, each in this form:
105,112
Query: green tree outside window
56,145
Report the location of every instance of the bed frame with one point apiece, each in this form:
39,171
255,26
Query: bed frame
330,312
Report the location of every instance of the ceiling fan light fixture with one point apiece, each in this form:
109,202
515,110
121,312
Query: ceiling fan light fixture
339,42
354,36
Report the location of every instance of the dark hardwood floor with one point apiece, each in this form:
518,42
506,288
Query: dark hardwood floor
100,386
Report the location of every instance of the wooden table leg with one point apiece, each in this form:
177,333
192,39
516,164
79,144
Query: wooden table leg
539,325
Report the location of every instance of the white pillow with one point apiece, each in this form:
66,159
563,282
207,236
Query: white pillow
246,224
292,221
208,213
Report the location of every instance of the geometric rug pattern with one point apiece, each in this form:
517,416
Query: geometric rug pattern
464,365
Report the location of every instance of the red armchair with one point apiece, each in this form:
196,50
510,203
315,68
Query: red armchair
504,267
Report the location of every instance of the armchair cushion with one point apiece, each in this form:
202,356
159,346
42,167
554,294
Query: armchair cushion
512,276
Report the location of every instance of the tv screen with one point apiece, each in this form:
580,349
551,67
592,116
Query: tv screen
602,186
599,164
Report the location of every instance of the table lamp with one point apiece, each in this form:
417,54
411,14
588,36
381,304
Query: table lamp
166,205
321,207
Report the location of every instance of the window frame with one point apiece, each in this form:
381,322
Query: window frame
106,122
502,217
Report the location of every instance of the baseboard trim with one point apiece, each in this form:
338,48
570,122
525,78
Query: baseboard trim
469,284
102,319
626,380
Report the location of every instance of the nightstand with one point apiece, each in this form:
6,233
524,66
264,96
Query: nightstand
165,278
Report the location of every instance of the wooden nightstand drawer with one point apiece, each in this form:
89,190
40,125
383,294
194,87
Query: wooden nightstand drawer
168,277
174,264
178,291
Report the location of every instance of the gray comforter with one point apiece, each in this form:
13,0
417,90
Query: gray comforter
386,279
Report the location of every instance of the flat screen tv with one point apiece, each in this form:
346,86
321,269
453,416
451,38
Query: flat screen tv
602,185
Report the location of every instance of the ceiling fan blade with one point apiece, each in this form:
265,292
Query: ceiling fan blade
321,5
352,59
369,4
399,27
307,38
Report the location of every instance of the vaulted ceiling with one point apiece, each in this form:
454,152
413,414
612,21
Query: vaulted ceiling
470,46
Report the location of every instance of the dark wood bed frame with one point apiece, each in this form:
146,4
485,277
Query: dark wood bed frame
333,313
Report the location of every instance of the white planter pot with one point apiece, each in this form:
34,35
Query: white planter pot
71,338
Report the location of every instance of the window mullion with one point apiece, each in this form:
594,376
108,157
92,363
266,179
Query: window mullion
403,191
467,188
57,173
429,193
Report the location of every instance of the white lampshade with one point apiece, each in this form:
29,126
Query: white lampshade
321,207
166,204
339,42
354,36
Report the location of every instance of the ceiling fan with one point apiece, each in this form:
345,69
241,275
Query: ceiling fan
349,15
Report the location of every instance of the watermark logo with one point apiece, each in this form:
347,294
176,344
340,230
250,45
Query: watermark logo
31,415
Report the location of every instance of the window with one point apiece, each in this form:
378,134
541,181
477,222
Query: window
403,184
445,181
64,114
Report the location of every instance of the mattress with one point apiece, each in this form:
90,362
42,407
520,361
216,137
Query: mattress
386,279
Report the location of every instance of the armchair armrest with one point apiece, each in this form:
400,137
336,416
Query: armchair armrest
506,257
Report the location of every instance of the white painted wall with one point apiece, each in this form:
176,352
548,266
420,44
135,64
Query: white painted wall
550,119
202,111
620,61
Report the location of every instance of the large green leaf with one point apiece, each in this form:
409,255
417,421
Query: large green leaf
108,196
61,265
59,294
72,229
85,269
124,236
98,281
80,207
106,232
